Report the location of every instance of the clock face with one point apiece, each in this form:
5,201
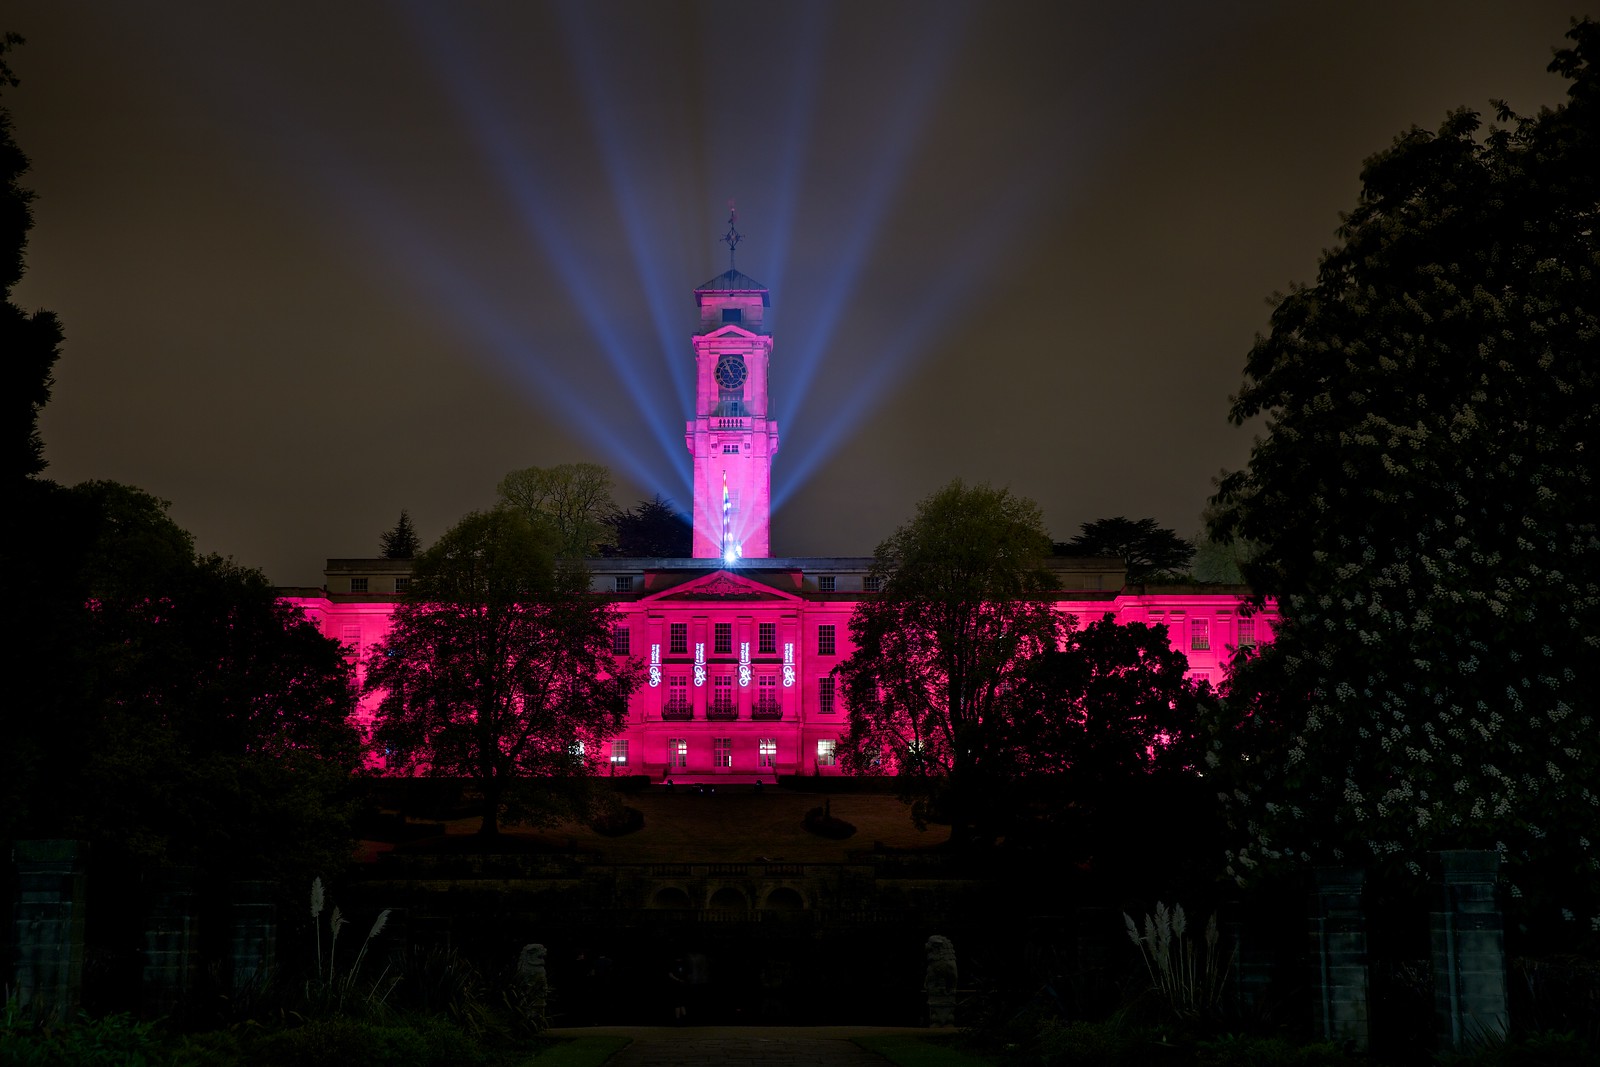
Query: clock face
730,371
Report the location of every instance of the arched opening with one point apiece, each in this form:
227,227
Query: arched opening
784,899
728,899
669,897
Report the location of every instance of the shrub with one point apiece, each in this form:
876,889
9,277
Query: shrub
820,821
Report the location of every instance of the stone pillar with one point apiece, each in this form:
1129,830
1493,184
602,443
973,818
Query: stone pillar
252,936
51,886
1339,954
1253,964
171,941
1469,963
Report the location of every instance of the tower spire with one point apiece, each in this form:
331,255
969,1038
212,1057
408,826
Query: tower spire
732,237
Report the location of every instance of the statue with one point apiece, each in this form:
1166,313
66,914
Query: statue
939,983
533,984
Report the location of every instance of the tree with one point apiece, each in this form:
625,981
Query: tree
1424,504
30,342
933,683
498,668
1114,702
188,715
400,542
574,499
651,529
1147,551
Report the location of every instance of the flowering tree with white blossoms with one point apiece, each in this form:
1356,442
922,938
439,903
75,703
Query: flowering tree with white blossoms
1424,501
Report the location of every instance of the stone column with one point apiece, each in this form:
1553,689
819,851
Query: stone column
252,936
171,941
1339,953
1469,963
51,885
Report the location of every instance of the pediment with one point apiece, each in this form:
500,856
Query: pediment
721,586
732,330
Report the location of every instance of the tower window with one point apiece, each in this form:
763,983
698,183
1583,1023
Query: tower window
730,450
732,314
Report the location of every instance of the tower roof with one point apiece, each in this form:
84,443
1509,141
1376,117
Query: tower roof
733,281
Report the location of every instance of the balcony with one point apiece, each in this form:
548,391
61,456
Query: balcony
725,423
675,711
722,712
766,710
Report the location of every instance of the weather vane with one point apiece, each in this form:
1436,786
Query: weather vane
732,237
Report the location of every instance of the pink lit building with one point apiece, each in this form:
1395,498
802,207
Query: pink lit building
740,646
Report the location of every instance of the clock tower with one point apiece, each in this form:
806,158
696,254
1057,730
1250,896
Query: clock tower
731,438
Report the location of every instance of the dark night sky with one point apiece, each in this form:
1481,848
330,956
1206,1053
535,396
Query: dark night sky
317,262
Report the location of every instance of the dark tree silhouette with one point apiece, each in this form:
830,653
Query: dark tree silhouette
651,529
1147,551
400,542
499,668
1424,506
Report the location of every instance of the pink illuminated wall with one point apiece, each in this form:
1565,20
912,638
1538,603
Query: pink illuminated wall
741,662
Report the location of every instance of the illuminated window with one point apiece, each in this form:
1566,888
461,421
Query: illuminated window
730,450
619,639
1200,634
825,583
619,751
622,583
767,752
722,751
358,585
678,752
733,314
723,639
767,639
402,584
1247,633
825,641
825,752
679,645
825,695
872,584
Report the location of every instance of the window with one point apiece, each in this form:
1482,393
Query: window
679,640
826,583
350,638
766,697
732,314
722,751
678,752
825,695
730,450
767,752
402,584
677,697
622,583
825,752
1200,634
872,584
722,696
619,639
1247,633
724,639
767,639
358,585
619,752
825,640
